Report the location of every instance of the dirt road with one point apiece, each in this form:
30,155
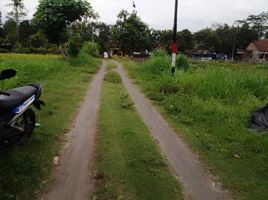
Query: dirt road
72,178
196,182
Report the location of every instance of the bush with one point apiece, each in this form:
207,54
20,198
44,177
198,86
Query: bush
32,50
158,65
159,53
182,62
167,84
38,40
74,45
3,50
91,48
54,50
21,50
125,101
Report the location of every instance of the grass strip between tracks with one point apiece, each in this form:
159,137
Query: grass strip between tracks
130,166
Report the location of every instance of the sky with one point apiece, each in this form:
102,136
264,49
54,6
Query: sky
193,14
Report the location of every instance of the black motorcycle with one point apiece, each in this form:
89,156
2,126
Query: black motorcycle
17,119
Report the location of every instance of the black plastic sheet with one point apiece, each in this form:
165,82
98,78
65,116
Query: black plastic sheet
259,119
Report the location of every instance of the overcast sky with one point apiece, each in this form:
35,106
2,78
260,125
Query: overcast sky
193,14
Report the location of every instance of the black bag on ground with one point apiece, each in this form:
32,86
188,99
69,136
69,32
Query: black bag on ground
259,119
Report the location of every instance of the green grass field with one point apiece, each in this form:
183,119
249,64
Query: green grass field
130,165
24,169
211,104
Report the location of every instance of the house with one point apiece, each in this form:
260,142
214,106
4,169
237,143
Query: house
201,54
258,51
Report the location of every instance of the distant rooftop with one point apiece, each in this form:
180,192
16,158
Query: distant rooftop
261,45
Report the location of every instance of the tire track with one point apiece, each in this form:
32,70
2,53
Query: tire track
72,178
197,183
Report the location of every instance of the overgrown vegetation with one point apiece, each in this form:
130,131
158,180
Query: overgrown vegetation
91,49
211,104
182,62
23,169
129,164
112,77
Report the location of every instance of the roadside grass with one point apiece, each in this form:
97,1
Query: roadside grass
210,105
129,165
24,170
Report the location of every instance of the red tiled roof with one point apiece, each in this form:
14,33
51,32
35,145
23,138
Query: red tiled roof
261,45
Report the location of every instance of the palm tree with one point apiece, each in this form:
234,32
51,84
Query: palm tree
18,11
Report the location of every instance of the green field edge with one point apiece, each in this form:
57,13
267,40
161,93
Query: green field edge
183,132
27,170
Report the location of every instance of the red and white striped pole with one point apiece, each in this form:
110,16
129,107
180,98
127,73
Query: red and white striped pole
174,45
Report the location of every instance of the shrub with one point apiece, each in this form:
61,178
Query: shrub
159,53
112,77
125,101
182,62
158,65
54,50
167,84
91,48
21,50
38,40
74,45
3,50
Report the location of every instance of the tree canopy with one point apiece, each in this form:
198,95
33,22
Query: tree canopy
257,22
130,33
53,17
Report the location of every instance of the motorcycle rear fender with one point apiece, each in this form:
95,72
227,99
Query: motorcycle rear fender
38,103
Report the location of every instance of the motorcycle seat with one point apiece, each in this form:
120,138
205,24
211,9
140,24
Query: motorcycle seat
17,97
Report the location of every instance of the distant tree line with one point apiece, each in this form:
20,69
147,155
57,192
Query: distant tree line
57,24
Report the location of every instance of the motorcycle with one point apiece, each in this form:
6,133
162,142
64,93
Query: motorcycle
17,119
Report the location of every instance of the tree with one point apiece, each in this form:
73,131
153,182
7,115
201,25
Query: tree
10,30
245,35
18,11
104,36
227,37
0,19
185,40
130,33
38,40
85,28
161,39
25,31
257,22
206,39
2,33
54,16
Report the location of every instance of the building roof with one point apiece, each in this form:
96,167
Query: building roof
261,45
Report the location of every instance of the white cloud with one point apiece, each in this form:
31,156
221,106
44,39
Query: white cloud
193,14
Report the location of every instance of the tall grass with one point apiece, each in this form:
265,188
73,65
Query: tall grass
212,103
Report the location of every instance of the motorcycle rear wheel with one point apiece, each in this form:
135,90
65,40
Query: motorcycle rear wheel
28,122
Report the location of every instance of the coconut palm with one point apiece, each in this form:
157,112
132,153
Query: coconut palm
18,11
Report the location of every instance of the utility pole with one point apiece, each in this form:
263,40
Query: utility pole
174,45
233,51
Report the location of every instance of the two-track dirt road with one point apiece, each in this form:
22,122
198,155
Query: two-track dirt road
72,178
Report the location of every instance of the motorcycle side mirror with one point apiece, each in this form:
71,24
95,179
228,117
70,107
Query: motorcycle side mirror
7,74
